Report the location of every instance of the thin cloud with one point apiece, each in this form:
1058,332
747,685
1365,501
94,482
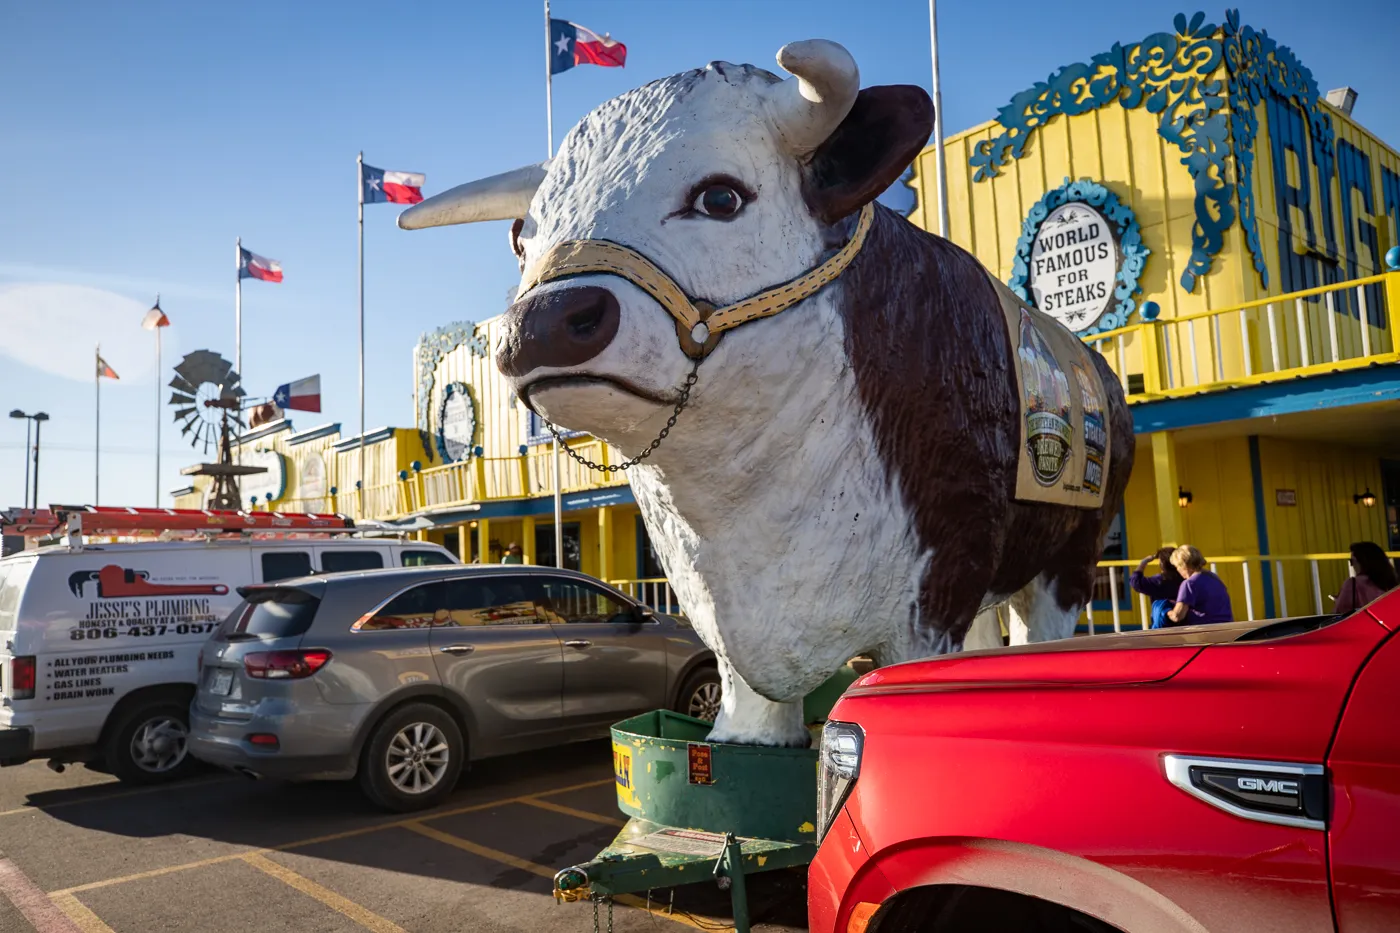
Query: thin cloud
55,327
33,272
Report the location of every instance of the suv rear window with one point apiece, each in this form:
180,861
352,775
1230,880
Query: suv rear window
273,612
425,558
338,561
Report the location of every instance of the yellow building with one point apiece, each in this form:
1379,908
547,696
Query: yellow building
1189,204
1196,210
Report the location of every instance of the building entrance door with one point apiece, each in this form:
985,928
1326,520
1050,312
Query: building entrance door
573,546
1390,493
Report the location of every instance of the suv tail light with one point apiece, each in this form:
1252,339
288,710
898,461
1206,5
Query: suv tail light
22,677
285,665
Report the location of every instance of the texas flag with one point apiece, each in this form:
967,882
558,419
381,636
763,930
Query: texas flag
572,44
381,187
253,266
104,371
302,395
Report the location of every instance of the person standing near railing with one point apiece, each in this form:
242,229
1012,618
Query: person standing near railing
1202,598
1161,588
1374,575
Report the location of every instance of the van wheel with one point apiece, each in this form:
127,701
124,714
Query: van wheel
150,745
699,696
413,759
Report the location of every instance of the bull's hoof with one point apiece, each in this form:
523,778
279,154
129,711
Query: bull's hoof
785,738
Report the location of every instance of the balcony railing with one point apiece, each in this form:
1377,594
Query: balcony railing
1333,328
1311,580
485,479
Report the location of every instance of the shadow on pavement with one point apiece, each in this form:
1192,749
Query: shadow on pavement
236,811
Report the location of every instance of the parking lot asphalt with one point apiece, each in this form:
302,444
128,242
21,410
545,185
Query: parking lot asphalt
80,853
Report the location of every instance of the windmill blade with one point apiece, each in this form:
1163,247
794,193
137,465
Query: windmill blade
180,398
183,413
183,385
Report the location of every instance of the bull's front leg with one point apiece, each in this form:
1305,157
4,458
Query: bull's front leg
745,718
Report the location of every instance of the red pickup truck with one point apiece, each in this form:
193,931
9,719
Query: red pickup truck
1227,778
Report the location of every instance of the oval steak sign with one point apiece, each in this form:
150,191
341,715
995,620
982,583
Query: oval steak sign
1074,262
456,423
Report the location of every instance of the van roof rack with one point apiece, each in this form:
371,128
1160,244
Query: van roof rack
108,521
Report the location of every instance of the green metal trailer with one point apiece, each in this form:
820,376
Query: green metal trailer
704,811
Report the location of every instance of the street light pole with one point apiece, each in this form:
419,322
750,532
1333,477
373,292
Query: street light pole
28,442
39,419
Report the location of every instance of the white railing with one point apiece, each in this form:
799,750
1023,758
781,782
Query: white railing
653,592
1297,585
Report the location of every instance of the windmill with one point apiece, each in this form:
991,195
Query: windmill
208,404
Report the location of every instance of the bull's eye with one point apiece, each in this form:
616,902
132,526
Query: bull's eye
718,201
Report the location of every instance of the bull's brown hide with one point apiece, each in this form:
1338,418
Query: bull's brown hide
932,362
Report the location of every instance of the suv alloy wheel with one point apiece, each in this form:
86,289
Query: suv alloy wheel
413,758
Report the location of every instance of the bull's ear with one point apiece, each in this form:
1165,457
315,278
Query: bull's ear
872,147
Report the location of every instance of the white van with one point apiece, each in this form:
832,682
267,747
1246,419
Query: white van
99,643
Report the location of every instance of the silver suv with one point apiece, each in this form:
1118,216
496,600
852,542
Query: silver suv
400,676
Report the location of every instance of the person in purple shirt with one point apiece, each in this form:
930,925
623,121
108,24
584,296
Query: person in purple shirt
1202,598
1161,588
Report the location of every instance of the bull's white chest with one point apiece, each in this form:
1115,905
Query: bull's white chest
787,543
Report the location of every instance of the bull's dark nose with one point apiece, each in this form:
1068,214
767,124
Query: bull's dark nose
560,328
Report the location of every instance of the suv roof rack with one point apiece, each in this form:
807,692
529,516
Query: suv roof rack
109,521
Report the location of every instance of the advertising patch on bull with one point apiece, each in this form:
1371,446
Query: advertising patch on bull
1095,429
1045,402
1064,428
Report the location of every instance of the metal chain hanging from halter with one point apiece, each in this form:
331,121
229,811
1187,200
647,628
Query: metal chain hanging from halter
690,381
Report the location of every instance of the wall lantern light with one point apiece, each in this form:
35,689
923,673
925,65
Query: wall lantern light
1183,497
1366,498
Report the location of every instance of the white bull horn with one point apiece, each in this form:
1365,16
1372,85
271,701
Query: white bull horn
501,197
809,106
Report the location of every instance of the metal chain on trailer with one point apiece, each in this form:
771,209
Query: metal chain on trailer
690,381
596,902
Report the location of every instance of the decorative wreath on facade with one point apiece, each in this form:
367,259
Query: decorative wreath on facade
1133,251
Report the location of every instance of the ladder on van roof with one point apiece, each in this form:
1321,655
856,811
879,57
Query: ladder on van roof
110,521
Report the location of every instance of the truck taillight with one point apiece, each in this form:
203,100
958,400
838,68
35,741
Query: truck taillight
285,665
22,678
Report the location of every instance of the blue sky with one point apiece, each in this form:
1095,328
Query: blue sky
142,138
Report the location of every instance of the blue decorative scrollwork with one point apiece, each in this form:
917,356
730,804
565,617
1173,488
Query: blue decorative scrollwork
1258,65
435,345
1170,75
1134,251
1208,120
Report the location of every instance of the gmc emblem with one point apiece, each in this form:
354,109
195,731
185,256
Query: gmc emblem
1267,786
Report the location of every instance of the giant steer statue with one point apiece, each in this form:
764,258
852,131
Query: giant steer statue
842,469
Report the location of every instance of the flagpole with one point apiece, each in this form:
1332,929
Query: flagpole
548,81
158,387
238,306
97,437
938,168
360,197
549,129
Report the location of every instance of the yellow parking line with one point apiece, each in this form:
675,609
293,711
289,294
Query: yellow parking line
117,795
544,871
495,855
364,917
315,840
571,811
83,918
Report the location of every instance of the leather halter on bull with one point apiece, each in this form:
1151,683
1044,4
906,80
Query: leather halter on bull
699,325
